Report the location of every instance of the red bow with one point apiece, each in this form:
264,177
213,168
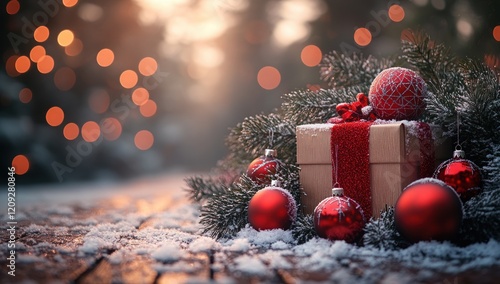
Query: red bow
354,111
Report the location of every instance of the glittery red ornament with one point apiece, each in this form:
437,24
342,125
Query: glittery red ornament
428,209
339,218
263,167
461,174
272,208
398,93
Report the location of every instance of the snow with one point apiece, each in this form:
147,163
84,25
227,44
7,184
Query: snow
168,252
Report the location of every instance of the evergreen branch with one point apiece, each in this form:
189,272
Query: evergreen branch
482,218
201,189
381,233
303,228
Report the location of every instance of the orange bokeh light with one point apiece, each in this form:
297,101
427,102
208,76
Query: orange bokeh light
23,64
12,7
269,77
10,66
396,13
99,101
65,38
74,48
91,131
25,95
111,128
496,33
148,109
69,3
143,140
21,163
105,57
128,79
311,55
54,116
64,78
37,52
45,64
148,66
71,131
140,96
41,34
362,37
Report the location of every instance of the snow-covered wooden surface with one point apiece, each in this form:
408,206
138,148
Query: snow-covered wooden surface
146,231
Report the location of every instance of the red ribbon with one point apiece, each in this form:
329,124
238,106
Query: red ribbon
354,111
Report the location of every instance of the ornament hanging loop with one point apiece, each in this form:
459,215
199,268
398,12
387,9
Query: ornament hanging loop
458,147
271,137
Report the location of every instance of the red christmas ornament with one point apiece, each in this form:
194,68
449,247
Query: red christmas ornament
428,209
263,167
461,174
339,218
398,93
272,208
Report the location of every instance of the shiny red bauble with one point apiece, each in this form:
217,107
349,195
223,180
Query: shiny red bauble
272,208
461,174
398,93
428,209
339,218
261,169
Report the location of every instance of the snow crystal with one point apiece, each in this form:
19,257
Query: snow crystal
238,245
250,265
275,260
280,245
204,244
168,252
265,238
34,228
310,129
179,266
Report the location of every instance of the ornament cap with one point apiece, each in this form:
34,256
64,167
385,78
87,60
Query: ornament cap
337,191
270,153
459,154
276,183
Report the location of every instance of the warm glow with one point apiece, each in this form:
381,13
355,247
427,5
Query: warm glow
496,33
140,96
128,79
91,131
69,3
143,140
12,7
99,101
65,78
23,64
105,57
45,64
148,66
71,131
396,13
65,38
74,48
41,34
311,55
54,116
10,66
362,37
21,163
37,52
148,109
269,77
111,128
25,95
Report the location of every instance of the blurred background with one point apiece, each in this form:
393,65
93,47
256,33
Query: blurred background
108,90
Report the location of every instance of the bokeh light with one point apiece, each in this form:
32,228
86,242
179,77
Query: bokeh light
23,64
148,109
41,34
64,78
105,57
148,66
10,66
65,38
25,95
269,77
45,64
396,13
12,7
311,55
128,79
111,128
74,48
54,116
140,96
69,3
143,140
496,33
99,100
37,52
71,131
21,163
91,131
362,36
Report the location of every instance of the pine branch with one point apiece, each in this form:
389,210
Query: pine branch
303,228
482,218
381,233
201,189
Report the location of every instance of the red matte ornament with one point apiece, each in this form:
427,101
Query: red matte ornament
398,93
263,167
272,208
461,174
339,218
428,209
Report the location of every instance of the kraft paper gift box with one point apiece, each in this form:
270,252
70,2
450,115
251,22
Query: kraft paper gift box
394,162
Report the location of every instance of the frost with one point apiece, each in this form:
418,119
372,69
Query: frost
168,252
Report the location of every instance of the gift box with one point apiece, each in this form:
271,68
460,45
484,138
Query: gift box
374,172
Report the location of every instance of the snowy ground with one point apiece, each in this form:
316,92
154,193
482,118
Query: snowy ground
147,232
